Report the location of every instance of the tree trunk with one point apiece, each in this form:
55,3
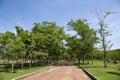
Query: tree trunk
92,60
36,61
3,66
71,58
12,65
22,64
105,53
78,60
25,60
115,61
47,60
105,63
88,61
83,59
30,64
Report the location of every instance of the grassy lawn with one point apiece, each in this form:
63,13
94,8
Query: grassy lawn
9,76
112,72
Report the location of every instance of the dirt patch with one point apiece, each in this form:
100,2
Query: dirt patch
59,73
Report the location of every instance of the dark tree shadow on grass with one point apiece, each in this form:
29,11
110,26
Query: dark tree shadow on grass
93,66
118,67
114,73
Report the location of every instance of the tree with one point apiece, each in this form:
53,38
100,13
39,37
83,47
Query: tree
3,54
114,55
20,49
85,37
10,47
71,47
104,34
48,38
25,41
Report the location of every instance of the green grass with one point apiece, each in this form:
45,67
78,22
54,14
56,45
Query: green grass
9,76
112,72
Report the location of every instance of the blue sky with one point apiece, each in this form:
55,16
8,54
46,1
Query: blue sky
25,12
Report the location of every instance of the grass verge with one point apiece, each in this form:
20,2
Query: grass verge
112,72
19,72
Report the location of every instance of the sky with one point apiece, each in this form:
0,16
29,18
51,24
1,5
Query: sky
25,13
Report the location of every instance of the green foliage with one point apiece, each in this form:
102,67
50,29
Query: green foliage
84,44
114,55
48,38
46,43
43,42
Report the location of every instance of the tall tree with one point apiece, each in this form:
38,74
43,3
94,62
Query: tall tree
104,34
86,36
24,37
10,47
49,37
3,54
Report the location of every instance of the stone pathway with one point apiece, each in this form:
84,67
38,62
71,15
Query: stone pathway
59,73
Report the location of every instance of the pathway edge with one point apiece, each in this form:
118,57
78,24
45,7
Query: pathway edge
30,73
89,74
